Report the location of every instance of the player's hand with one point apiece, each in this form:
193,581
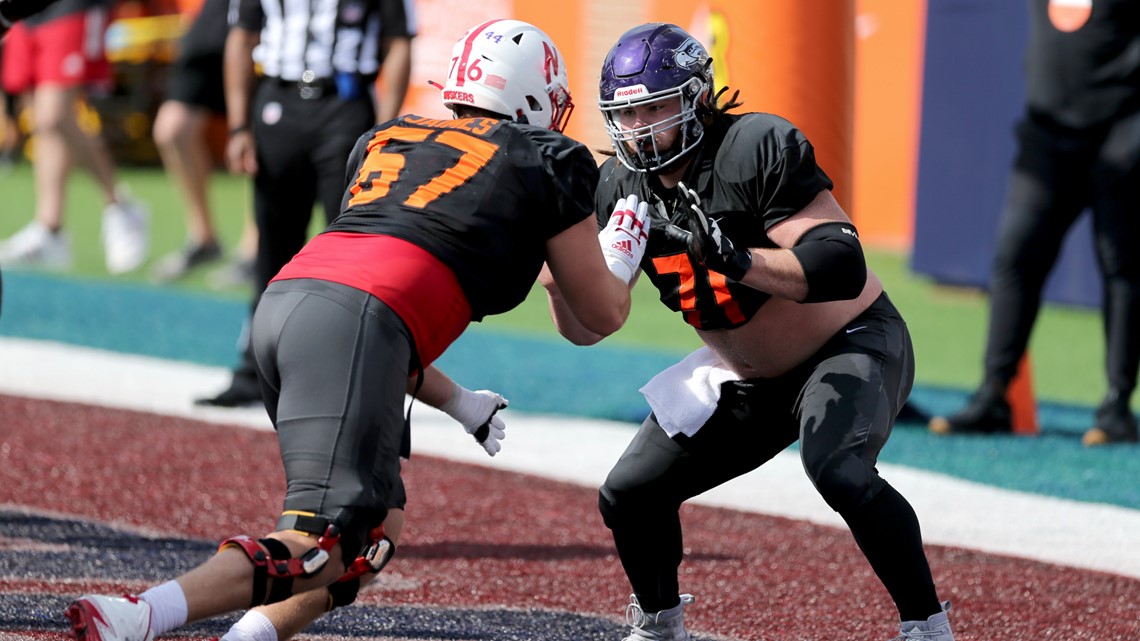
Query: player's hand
477,412
624,238
706,242
241,157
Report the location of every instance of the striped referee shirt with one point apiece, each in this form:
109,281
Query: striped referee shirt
325,37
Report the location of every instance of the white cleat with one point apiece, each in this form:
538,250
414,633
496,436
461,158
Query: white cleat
37,246
107,618
666,625
935,628
126,234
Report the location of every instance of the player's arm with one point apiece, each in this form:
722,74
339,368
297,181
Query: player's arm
568,284
239,80
588,274
395,59
476,411
564,321
818,256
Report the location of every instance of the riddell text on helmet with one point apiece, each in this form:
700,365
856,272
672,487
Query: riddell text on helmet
631,92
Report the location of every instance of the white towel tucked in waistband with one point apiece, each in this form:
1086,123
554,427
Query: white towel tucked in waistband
684,396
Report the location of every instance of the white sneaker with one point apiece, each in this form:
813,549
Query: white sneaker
666,625
36,245
106,618
126,239
935,628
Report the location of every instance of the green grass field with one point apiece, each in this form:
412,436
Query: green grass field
948,325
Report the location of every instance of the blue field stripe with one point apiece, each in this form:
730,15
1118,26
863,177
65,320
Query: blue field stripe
550,376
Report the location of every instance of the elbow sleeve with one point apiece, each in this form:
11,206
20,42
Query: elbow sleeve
833,262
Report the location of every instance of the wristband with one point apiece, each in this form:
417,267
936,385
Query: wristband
239,129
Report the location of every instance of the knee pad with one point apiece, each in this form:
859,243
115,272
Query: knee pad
352,533
272,560
372,561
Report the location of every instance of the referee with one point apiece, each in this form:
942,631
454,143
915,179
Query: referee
293,128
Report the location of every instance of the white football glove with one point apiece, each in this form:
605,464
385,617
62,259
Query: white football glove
624,238
477,413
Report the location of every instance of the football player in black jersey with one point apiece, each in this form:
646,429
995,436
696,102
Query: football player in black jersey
443,223
801,343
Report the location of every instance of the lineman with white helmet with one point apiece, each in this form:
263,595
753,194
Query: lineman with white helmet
443,223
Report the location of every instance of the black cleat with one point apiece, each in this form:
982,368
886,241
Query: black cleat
240,393
176,265
987,413
1115,423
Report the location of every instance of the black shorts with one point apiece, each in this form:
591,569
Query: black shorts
196,79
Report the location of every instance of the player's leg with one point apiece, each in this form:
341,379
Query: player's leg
318,346
281,621
847,408
1116,201
642,494
180,136
1046,191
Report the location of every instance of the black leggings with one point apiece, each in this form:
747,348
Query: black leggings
840,405
1058,173
301,158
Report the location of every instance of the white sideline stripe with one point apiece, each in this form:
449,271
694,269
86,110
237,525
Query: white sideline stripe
581,451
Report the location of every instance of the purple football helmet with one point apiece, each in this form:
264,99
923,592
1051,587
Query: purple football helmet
649,63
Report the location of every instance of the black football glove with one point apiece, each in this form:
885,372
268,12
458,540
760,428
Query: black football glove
706,242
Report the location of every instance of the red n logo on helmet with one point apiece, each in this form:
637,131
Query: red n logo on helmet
550,64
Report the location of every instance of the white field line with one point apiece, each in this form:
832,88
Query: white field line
581,451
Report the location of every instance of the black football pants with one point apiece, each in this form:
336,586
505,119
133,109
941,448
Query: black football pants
302,151
840,405
1057,174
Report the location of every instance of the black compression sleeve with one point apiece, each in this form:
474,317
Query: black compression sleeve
833,263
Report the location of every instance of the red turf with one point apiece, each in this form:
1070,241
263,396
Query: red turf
480,536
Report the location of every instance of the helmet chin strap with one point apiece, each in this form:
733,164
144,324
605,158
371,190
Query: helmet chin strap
671,158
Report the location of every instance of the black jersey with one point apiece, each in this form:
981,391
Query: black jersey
751,172
1089,76
207,34
480,194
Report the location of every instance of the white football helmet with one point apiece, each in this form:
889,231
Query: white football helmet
512,68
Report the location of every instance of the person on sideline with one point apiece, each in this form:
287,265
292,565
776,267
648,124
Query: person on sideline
444,222
1078,147
316,98
800,340
54,55
194,96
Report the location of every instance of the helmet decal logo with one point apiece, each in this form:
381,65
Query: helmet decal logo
633,91
459,96
688,53
550,64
